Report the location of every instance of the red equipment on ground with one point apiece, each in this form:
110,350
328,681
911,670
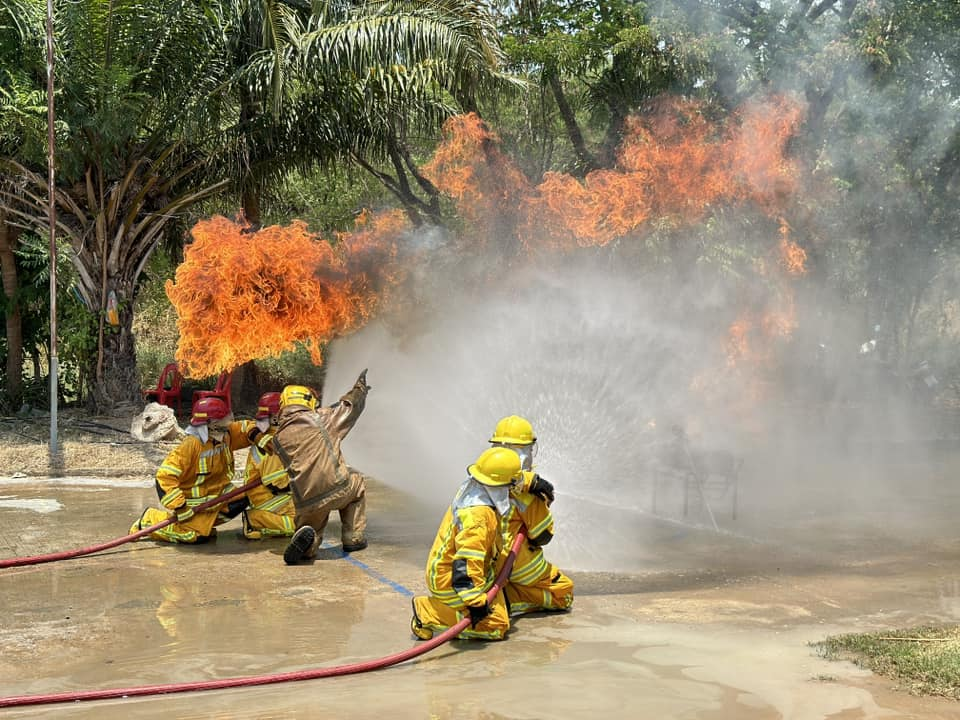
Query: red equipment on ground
168,389
221,390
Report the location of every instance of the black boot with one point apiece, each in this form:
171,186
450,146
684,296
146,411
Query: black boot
355,546
300,544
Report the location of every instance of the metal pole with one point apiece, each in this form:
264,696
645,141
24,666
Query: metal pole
51,187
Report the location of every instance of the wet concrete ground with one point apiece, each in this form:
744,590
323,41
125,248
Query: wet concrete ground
677,621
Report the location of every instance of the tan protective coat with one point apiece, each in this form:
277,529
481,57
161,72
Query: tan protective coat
308,443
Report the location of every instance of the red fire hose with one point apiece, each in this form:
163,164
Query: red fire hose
354,668
37,559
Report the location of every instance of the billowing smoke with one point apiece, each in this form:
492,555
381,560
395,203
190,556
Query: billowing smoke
664,394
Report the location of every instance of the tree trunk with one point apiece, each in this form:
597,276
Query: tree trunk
245,389
619,111
586,161
37,362
118,382
9,236
251,207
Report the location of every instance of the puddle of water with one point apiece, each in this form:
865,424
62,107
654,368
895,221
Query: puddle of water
40,505
678,643
76,481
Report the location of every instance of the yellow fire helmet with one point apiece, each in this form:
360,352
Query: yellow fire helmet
514,430
496,466
298,395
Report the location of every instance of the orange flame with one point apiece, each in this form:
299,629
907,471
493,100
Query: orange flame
674,165
751,337
470,167
755,338
793,258
245,296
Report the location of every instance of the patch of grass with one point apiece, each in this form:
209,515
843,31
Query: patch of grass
925,660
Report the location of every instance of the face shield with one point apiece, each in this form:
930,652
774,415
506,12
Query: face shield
526,452
218,428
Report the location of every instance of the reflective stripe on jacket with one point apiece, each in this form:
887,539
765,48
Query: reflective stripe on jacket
196,471
266,467
461,564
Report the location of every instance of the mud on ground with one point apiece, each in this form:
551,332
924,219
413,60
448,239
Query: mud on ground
89,445
694,624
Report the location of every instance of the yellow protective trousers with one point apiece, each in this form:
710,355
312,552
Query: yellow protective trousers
432,615
553,591
270,515
196,529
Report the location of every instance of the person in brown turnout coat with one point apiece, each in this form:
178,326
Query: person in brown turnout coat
307,441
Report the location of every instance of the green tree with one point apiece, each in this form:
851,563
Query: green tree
600,61
132,147
22,130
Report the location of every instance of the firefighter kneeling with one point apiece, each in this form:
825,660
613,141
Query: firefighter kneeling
197,471
463,560
307,441
271,511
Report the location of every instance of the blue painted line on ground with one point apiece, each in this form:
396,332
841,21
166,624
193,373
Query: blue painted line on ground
371,572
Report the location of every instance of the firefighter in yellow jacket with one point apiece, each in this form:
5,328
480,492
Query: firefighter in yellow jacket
199,469
534,583
271,510
307,441
462,564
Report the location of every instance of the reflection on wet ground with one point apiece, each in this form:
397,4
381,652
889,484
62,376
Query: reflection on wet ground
672,619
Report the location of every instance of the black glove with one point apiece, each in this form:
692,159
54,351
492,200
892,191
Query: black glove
235,507
542,489
477,614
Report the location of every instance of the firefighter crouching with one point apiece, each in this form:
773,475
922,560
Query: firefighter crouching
462,564
271,511
535,584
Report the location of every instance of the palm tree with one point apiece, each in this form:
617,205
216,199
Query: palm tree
166,103
333,82
134,134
